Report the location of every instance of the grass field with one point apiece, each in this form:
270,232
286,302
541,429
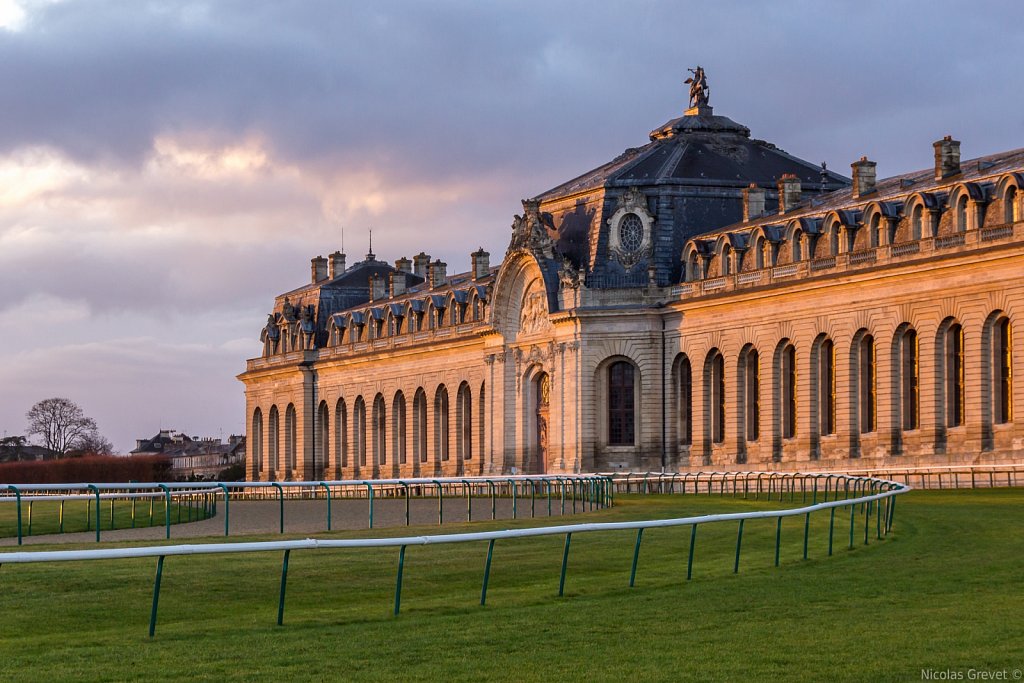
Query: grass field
44,517
945,591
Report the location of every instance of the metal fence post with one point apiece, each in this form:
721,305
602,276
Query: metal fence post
778,538
227,510
636,556
280,499
565,561
17,502
327,489
739,541
398,580
487,571
807,530
156,595
284,582
94,489
689,561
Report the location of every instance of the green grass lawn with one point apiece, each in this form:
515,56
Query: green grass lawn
944,591
44,517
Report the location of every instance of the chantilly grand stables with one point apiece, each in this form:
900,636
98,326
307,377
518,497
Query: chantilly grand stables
704,301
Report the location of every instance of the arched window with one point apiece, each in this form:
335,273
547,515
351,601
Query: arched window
826,366
714,393
759,253
685,384
289,438
380,431
916,219
398,428
866,380
874,237
908,379
788,403
693,267
340,434
419,426
441,423
751,388
1011,212
464,422
798,249
726,259
322,441
954,375
1002,356
961,213
621,422
257,441
359,431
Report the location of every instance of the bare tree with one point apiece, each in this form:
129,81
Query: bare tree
93,443
59,423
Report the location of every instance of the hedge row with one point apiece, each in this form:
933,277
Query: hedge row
90,470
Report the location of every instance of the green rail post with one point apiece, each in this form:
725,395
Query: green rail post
533,498
440,503
156,595
689,561
814,500
487,571
406,491
565,562
30,518
167,509
807,531
512,486
280,502
892,512
469,503
111,513
327,490
398,581
636,556
152,501
878,519
831,529
778,538
494,510
739,541
867,521
573,482
369,493
94,489
88,514
853,511
561,488
284,583
134,500
547,486
227,510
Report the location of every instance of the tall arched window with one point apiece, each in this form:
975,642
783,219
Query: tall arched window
826,366
685,384
751,379
788,404
961,213
798,248
621,405
908,379
274,440
1002,356
954,375
726,259
714,393
464,422
916,219
257,441
398,428
1010,209
419,426
359,431
289,438
380,431
874,239
866,383
340,435
323,441
481,412
441,423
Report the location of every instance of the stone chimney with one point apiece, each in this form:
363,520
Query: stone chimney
337,265
403,264
481,263
438,273
863,177
789,193
421,262
753,202
377,287
398,283
947,157
318,269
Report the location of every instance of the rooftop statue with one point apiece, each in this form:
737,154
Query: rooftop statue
699,90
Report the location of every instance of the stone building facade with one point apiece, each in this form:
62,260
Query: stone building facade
705,301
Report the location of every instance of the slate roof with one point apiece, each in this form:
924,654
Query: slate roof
696,150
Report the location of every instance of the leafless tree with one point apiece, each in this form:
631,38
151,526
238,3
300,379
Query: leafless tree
93,443
60,424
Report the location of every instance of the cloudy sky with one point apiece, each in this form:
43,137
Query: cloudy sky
166,168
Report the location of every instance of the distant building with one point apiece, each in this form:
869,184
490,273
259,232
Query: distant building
16,448
193,457
703,301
